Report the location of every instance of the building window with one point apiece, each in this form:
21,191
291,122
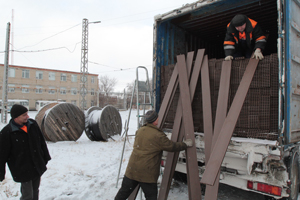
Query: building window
92,103
73,102
25,73
11,72
39,75
11,88
93,80
39,89
63,90
25,88
74,78
52,76
73,91
63,77
92,92
51,90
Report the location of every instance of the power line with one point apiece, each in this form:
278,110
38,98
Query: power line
103,65
71,51
51,36
118,69
57,48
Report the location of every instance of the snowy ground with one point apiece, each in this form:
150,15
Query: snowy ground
87,170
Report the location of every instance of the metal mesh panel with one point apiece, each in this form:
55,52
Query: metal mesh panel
259,114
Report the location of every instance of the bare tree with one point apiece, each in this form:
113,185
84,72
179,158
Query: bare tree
106,86
130,87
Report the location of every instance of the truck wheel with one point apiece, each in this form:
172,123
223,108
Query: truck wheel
293,169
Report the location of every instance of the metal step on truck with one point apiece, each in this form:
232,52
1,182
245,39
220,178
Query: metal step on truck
263,154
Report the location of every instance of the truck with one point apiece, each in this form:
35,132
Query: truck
263,154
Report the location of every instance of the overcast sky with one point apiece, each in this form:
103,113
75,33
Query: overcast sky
48,34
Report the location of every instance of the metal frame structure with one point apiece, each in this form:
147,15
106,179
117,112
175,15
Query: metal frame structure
5,77
84,63
139,86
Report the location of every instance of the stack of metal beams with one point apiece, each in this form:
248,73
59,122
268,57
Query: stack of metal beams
259,115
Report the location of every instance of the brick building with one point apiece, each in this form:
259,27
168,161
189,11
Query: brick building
35,84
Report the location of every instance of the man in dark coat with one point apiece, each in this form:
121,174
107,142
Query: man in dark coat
144,163
244,36
23,148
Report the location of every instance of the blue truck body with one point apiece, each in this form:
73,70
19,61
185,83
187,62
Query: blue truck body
170,40
203,25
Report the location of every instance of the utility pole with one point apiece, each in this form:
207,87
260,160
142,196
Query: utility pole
84,62
12,37
5,77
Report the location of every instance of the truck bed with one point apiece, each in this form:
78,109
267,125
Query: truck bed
246,159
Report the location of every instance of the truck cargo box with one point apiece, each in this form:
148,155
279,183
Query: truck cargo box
202,25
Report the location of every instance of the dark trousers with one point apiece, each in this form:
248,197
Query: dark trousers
30,189
243,50
128,185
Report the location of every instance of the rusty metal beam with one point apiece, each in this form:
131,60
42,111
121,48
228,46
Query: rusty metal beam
178,131
171,89
211,192
169,95
207,113
222,98
191,156
219,150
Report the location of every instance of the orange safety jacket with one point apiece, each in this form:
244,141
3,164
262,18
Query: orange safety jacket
253,35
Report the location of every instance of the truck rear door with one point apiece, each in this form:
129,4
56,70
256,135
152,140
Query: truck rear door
292,70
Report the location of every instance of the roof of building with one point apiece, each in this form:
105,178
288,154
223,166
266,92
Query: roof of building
44,69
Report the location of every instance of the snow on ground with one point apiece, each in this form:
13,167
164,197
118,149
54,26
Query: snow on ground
83,169
88,170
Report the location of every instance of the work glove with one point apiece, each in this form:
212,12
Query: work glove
228,58
188,142
258,55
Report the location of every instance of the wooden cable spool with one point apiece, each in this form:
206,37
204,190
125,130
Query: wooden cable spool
61,122
39,118
101,124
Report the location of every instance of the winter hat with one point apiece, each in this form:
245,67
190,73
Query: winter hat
151,116
17,110
239,20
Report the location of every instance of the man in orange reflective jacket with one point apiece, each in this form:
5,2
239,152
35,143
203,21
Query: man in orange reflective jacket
244,36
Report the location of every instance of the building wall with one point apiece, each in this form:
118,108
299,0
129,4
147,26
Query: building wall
42,88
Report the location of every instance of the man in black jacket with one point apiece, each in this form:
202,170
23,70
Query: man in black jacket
23,148
244,36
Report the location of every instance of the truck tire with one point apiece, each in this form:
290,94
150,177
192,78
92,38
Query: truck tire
293,170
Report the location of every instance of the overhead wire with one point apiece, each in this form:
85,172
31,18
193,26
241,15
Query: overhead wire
57,48
117,69
51,36
71,51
